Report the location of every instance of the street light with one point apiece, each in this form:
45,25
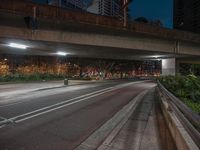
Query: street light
156,56
61,53
16,45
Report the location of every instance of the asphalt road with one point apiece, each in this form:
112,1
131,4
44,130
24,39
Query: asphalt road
62,118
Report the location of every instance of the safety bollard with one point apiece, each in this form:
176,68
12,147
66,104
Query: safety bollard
65,81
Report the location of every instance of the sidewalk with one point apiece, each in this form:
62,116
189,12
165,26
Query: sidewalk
142,130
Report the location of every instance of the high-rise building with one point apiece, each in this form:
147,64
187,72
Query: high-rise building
106,7
187,15
70,4
94,7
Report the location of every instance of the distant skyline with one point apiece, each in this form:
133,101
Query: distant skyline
152,10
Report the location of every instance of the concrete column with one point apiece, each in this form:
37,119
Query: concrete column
169,66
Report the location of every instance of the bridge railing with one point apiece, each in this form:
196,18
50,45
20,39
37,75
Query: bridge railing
25,7
51,12
189,119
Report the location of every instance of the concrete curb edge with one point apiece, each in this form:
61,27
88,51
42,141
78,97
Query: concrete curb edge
106,133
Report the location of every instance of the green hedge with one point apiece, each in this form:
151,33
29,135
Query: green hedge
187,88
38,77
33,77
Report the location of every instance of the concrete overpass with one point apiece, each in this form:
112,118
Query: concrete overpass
87,35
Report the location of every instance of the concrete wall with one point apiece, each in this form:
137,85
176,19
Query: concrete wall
136,42
169,66
185,47
133,42
25,7
106,31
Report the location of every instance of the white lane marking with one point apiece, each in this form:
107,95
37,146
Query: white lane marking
68,104
60,103
5,121
2,126
90,95
35,94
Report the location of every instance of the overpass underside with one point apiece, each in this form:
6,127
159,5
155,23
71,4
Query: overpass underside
89,40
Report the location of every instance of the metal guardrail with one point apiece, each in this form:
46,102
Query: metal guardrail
189,119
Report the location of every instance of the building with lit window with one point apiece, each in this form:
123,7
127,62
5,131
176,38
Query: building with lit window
106,7
187,15
70,4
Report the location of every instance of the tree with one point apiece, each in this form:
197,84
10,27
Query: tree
142,20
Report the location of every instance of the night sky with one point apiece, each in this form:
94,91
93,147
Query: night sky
150,9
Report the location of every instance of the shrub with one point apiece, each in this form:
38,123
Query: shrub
187,88
32,77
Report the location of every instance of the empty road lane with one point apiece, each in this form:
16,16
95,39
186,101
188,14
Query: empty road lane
62,118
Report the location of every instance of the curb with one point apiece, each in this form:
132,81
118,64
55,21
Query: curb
179,134
7,83
105,134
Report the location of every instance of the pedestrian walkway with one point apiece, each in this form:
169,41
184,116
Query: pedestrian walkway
142,130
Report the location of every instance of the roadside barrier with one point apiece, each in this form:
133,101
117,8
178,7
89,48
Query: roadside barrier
188,119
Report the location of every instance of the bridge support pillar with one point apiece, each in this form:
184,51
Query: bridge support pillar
169,66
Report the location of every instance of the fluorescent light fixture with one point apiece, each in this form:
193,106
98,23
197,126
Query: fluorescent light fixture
61,53
156,56
16,45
